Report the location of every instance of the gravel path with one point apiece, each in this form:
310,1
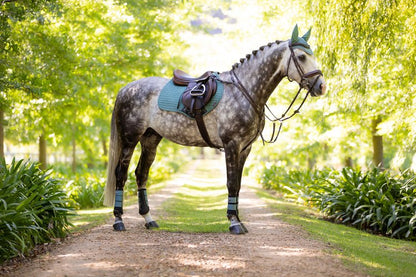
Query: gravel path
271,248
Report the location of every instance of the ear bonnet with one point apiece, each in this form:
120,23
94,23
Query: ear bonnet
301,42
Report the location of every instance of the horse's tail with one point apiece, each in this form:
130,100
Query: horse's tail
113,156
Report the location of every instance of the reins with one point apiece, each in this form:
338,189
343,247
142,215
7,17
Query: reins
260,111
283,117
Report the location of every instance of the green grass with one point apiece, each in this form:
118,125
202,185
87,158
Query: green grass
196,210
89,218
374,255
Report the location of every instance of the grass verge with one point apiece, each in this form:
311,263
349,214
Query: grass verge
195,210
199,207
374,255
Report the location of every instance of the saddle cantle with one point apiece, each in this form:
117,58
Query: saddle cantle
199,91
182,78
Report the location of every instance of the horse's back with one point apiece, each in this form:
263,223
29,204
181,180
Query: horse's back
141,90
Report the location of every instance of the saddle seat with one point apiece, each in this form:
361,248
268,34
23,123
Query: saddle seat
182,78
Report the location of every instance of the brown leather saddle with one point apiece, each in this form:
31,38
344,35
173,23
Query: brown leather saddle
198,92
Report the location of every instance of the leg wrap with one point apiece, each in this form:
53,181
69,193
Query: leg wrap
143,204
232,208
118,203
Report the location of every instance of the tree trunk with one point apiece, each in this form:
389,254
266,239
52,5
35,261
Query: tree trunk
105,151
74,156
42,152
1,134
348,162
377,144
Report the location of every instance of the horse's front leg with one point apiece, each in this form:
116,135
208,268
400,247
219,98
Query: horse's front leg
235,163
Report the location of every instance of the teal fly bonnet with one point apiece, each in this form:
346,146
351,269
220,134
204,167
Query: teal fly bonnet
301,42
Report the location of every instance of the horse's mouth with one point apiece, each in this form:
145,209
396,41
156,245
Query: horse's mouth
318,89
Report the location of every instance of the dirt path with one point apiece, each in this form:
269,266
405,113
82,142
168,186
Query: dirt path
271,248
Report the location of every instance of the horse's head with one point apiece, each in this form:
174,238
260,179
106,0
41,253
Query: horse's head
301,64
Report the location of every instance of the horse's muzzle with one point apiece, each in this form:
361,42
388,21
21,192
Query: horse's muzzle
319,87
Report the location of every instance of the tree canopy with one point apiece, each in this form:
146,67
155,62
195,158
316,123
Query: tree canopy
63,62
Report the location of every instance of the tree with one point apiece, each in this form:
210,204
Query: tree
71,64
14,11
363,41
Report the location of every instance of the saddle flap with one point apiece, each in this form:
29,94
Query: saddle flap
198,94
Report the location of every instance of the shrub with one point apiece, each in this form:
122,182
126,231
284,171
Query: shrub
86,191
33,208
374,200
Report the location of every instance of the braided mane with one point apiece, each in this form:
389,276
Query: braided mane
254,53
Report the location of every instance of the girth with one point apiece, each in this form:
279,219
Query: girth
198,93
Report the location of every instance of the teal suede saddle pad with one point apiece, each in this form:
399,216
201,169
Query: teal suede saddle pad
170,98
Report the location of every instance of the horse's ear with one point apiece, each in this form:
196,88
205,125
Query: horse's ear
307,35
295,34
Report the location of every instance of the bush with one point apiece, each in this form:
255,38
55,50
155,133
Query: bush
33,208
292,183
86,191
374,200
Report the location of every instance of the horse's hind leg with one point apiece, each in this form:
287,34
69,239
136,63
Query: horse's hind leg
149,142
121,177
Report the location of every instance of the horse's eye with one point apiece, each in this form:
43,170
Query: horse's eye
302,57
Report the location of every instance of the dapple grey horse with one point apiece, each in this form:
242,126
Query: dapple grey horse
233,125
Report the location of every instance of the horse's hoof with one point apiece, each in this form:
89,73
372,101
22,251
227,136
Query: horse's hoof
244,227
151,225
238,229
119,226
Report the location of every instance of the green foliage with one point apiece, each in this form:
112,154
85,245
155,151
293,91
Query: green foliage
33,208
62,80
86,191
372,200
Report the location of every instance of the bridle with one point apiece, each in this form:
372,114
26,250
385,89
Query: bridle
303,85
304,82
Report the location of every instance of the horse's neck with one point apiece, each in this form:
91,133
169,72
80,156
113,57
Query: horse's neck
262,72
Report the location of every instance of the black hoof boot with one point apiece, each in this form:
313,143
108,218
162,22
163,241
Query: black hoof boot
237,229
119,226
151,225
